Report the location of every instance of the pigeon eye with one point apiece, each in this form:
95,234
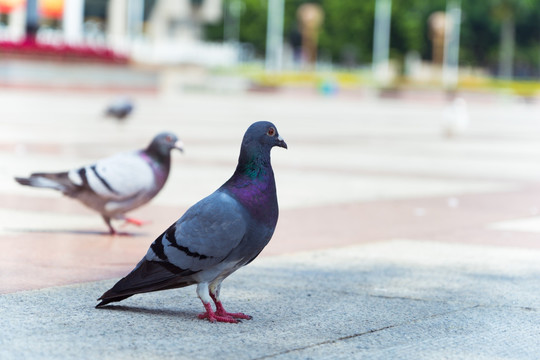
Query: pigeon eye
271,132
169,138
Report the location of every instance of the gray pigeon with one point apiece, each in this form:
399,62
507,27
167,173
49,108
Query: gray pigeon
117,184
217,235
120,108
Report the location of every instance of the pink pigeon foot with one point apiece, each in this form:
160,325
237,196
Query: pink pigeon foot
221,312
214,317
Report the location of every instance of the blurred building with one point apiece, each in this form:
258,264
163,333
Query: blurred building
148,31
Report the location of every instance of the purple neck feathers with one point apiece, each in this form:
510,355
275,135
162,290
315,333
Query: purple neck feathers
254,186
160,167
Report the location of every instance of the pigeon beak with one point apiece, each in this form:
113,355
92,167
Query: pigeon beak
281,142
179,145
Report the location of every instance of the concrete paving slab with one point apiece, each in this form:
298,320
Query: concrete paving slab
530,224
468,333
397,299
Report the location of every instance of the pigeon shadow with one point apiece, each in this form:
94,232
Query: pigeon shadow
147,311
75,232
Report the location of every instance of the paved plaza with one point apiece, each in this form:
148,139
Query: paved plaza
393,241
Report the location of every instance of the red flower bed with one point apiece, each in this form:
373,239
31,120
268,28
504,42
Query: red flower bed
62,52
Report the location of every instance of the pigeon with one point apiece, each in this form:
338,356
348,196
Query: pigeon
456,119
120,108
216,236
117,184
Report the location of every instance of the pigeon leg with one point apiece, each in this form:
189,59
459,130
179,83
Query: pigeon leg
202,292
214,290
108,222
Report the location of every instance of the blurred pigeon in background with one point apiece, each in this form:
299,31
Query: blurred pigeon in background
120,108
217,235
456,118
117,184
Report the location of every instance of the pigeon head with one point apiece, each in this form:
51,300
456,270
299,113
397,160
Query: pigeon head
163,143
258,140
262,135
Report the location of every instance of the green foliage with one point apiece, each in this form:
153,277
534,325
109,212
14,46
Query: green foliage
409,26
504,9
348,26
347,30
252,24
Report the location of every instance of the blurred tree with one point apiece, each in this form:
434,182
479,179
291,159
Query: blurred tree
527,56
348,24
347,32
410,28
506,11
478,34
252,25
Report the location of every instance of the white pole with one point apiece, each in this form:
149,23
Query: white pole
274,35
451,44
116,23
232,14
73,19
16,23
135,18
506,51
32,19
381,41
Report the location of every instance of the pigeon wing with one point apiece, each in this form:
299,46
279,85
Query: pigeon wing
200,240
118,178
204,236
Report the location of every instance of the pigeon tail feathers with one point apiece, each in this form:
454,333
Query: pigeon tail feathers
56,181
148,276
110,300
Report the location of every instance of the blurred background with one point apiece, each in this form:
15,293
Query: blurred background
404,119
329,45
413,132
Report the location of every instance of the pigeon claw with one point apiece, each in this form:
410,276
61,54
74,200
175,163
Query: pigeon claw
235,315
220,310
220,315
213,317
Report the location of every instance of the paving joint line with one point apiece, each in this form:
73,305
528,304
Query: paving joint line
405,298
524,308
343,338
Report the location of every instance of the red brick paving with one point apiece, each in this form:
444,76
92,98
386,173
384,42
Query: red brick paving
34,259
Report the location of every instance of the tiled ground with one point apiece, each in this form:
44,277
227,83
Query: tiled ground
358,170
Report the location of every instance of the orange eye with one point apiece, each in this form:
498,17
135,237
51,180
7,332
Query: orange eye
169,138
271,132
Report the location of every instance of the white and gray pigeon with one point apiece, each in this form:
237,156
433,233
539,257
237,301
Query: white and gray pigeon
117,184
456,118
217,235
